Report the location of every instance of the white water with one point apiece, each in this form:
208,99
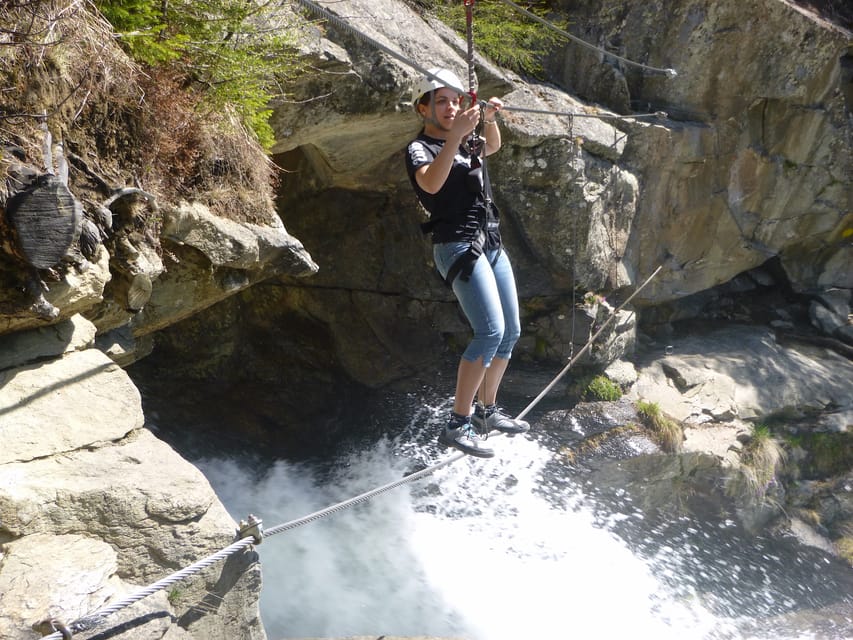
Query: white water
475,551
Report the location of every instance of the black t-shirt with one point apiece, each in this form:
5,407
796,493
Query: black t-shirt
458,210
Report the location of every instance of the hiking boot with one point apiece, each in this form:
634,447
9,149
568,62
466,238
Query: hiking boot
462,435
492,417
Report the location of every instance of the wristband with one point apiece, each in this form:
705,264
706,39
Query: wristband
491,121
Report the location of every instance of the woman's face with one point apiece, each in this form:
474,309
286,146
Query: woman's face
446,104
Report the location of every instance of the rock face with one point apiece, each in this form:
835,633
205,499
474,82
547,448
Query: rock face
755,166
719,387
746,167
745,373
93,507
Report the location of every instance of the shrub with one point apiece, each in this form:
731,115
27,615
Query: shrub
233,52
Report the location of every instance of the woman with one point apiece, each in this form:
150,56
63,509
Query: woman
448,178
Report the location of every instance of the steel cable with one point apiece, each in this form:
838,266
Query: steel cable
92,620
670,73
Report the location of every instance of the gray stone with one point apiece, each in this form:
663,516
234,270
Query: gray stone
64,405
54,340
79,574
76,461
743,372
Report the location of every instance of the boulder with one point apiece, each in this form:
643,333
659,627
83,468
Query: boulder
79,470
742,372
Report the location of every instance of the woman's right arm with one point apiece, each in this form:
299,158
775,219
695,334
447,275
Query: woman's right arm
431,177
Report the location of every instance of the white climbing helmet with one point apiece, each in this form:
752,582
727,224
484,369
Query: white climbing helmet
436,79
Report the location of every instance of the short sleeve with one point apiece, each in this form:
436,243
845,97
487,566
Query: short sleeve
417,155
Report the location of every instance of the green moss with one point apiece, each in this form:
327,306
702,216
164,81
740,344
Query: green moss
602,388
827,454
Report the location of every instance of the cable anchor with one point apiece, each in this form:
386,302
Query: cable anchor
251,527
52,626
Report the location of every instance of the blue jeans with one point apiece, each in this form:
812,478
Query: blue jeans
489,300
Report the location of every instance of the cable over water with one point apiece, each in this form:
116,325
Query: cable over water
92,620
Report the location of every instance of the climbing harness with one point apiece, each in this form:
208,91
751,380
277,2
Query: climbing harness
478,183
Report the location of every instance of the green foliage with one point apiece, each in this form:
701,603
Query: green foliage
501,32
175,595
602,388
140,25
649,410
229,50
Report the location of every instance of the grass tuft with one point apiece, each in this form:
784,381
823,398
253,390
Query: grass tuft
761,457
667,432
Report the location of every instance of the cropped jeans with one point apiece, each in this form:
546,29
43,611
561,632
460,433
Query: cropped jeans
488,299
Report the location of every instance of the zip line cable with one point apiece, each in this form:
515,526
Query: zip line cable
343,25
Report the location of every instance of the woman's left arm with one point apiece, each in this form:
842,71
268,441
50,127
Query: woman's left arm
491,131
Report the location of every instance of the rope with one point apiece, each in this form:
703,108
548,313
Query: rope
670,73
469,40
348,28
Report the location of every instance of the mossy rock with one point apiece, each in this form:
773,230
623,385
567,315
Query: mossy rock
827,454
845,549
